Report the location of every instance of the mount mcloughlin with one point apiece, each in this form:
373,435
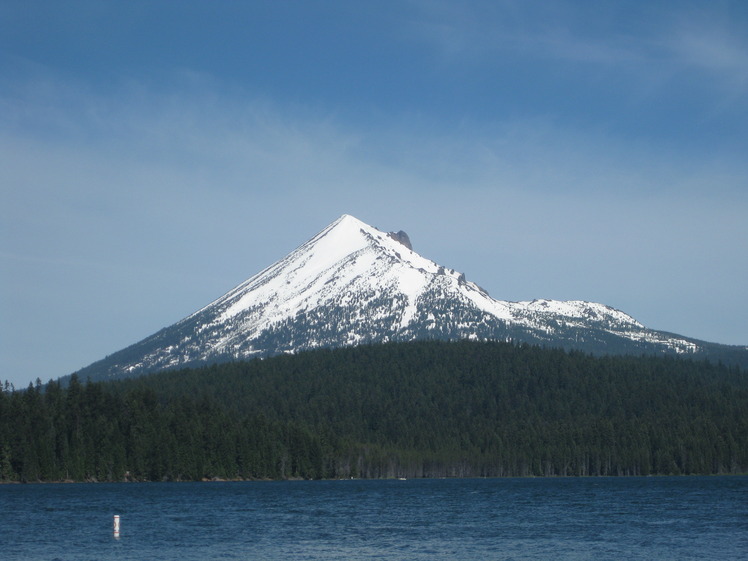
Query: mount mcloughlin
353,284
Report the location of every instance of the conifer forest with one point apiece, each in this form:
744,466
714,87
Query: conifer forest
421,409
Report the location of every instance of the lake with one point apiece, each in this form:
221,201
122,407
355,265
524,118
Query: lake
661,518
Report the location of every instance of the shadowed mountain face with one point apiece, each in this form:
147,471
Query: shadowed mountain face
352,284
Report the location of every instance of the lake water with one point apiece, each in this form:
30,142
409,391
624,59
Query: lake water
587,518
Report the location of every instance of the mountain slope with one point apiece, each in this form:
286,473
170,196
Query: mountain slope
353,284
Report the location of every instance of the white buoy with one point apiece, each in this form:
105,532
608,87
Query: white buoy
116,525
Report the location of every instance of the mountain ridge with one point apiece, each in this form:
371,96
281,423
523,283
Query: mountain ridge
354,284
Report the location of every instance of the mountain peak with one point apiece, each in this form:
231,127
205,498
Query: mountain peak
347,221
347,224
352,283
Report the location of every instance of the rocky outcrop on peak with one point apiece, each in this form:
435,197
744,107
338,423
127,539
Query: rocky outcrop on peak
401,237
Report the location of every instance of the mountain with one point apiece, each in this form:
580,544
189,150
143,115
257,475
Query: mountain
353,284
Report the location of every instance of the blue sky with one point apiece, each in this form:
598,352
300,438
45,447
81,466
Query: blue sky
155,154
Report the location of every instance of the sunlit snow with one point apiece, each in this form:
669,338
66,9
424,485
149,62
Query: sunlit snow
353,283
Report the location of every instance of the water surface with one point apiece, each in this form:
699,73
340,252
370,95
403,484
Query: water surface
476,519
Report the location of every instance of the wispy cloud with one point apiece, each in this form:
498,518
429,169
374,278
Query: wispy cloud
648,38
191,168
714,51
556,31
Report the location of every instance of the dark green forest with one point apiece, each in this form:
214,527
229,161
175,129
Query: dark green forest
423,409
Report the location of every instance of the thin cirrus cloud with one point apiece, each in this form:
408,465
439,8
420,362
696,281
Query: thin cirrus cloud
207,160
716,52
687,39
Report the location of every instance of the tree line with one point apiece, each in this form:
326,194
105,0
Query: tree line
420,409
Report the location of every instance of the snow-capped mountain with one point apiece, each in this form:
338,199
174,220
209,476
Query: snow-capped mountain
353,284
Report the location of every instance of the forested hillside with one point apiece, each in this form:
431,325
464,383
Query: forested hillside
424,409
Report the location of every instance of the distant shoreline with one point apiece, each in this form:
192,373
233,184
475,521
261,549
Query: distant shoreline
240,480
